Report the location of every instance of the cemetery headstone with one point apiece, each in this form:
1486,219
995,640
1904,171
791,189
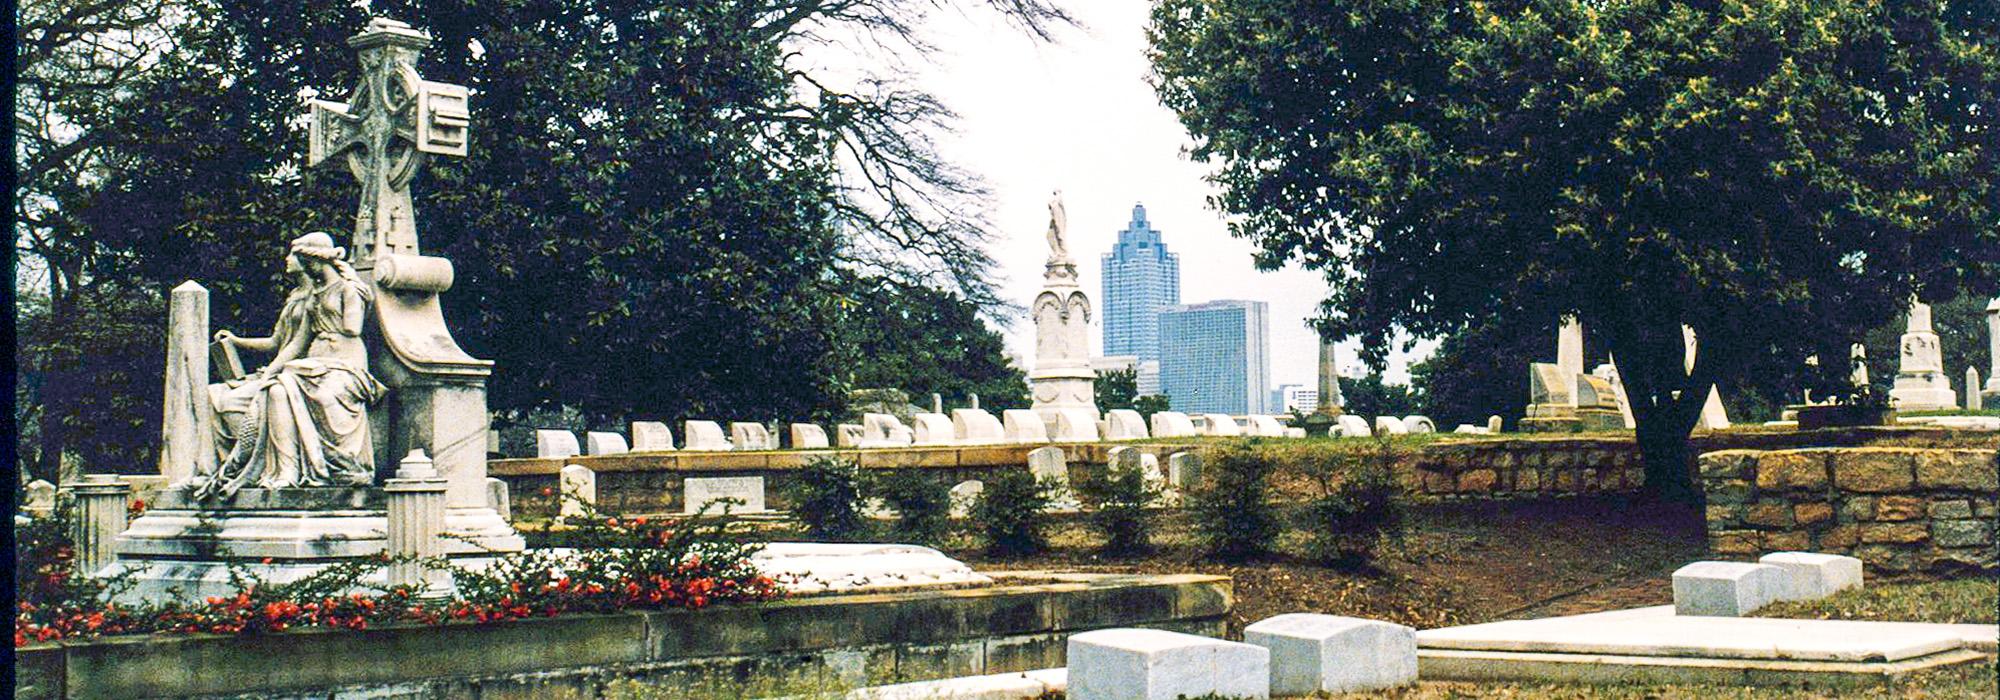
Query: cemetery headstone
1388,425
933,429
963,495
705,436
498,498
1352,425
577,490
556,444
1313,653
1124,424
1418,424
1184,470
849,435
1024,426
1076,425
972,426
1169,424
1049,463
1992,391
748,436
605,443
1493,424
1973,400
1219,424
1920,381
808,436
40,500
699,492
190,418
1266,426
652,436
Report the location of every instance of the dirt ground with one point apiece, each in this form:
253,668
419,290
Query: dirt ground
1454,564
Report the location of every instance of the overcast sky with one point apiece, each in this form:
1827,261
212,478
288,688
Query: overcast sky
1079,116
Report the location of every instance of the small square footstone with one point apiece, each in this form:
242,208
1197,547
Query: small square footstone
1141,664
1312,653
1725,588
1811,576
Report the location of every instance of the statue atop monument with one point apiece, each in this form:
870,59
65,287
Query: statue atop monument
1058,229
302,419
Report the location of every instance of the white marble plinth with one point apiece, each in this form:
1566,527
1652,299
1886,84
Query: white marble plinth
1725,588
1313,653
1144,664
1810,576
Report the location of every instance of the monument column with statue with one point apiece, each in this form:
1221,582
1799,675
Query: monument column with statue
1062,384
274,472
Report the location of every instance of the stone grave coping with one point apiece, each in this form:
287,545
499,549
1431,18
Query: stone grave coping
1018,624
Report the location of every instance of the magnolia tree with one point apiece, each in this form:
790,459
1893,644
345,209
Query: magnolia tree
1778,176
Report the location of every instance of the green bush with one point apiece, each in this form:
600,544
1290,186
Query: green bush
1011,514
922,505
1118,502
1231,510
827,500
1359,503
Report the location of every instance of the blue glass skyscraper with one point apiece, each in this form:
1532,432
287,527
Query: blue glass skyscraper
1140,278
1215,356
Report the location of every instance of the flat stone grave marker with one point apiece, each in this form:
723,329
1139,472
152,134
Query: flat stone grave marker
700,491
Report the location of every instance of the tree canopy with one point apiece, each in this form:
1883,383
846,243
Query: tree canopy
662,205
1778,176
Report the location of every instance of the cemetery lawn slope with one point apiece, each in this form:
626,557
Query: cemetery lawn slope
1960,601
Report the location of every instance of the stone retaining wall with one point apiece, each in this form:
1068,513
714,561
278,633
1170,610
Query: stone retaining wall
804,644
1897,509
1526,468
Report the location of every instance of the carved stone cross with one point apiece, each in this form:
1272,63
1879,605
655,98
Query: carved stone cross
389,122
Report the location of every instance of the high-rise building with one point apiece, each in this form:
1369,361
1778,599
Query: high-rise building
1215,356
1140,278
1293,397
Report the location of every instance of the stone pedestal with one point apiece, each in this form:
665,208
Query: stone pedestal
101,503
1062,381
1921,384
416,504
185,549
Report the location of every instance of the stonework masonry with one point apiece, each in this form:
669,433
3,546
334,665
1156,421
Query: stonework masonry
1899,510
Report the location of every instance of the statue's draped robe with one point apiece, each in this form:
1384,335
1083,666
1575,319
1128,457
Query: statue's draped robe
305,424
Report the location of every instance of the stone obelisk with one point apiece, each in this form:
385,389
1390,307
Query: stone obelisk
1920,381
1991,393
1062,383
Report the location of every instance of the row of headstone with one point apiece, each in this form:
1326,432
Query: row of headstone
1735,589
1294,654
964,426
1350,425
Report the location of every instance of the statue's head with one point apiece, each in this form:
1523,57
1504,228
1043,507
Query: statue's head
315,247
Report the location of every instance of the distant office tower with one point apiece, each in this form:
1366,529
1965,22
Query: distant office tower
1147,371
1140,278
1293,397
1214,356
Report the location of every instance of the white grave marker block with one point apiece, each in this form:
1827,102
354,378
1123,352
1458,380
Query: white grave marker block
498,499
1387,425
577,490
1313,653
808,436
1168,424
1076,425
1141,664
556,444
933,429
1352,426
705,435
975,427
1049,463
1024,426
1219,424
1184,470
1124,424
605,443
849,435
651,436
1419,424
1725,588
749,436
698,492
963,495
1809,576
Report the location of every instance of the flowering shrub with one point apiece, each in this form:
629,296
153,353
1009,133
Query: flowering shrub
618,565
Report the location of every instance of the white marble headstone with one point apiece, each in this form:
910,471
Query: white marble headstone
1024,426
1124,424
1170,424
651,436
605,443
700,491
705,435
972,426
808,436
556,444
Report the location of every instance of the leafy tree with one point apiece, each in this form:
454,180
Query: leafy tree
1781,177
1116,388
926,341
661,206
1369,396
1152,403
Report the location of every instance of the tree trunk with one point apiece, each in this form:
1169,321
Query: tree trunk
1664,400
